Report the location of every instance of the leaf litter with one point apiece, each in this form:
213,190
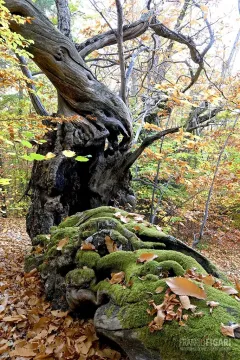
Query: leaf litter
29,327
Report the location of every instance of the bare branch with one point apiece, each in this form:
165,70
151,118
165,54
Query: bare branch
108,38
136,29
147,142
123,91
163,31
37,104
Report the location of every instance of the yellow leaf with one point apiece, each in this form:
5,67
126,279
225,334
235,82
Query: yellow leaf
49,155
69,153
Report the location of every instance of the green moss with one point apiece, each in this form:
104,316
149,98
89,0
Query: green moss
70,221
87,258
146,230
156,268
110,310
67,232
53,229
51,253
118,237
80,277
201,337
134,316
32,261
41,240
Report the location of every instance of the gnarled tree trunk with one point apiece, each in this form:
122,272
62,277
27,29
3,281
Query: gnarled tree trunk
63,186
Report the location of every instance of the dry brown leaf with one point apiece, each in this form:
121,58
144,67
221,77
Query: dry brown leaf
209,280
159,290
229,290
145,257
228,330
212,305
3,348
159,319
117,278
183,286
185,301
198,314
3,303
62,243
32,273
110,244
15,318
59,314
139,218
137,227
87,246
123,218
181,323
237,284
24,352
111,354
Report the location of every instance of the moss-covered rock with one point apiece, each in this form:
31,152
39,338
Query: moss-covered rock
78,266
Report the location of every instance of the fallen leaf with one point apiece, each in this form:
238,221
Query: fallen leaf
87,246
3,348
183,286
159,290
110,244
4,304
69,153
139,218
15,318
237,284
24,352
185,301
159,319
229,290
228,330
209,280
49,156
145,257
62,243
117,278
32,273
137,227
120,216
59,314
212,305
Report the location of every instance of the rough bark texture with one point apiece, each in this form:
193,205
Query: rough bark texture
83,253
101,128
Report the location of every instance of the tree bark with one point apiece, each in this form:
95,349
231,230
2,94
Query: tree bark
100,126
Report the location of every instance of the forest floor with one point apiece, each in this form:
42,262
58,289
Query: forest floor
30,328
